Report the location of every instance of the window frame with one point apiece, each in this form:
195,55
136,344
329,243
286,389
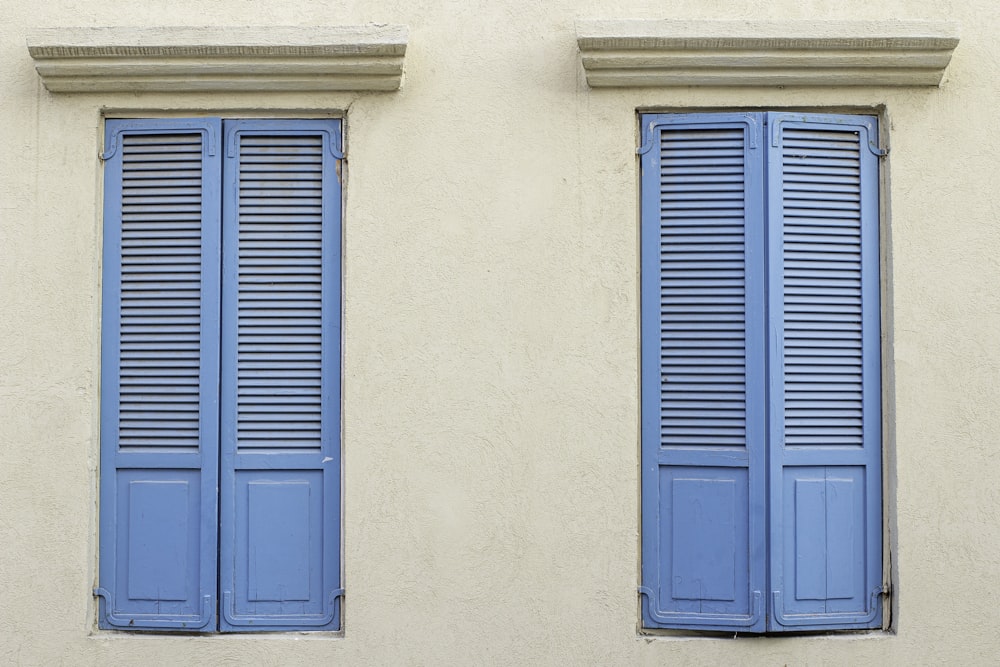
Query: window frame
331,129
876,215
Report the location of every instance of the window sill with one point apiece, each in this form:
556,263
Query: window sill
651,635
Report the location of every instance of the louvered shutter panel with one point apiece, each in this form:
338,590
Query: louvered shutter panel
280,470
702,372
159,383
825,424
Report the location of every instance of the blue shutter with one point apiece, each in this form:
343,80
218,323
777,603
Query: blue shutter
159,382
702,372
825,424
280,470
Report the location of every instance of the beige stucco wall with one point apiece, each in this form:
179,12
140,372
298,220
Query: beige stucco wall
491,344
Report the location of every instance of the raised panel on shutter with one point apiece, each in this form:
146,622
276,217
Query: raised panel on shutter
159,382
280,490
702,372
824,386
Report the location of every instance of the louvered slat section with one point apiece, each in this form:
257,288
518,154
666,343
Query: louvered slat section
160,291
280,296
821,205
702,287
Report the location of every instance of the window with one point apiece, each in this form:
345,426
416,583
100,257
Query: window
220,396
761,399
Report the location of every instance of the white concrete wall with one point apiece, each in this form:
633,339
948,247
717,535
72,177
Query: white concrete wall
491,342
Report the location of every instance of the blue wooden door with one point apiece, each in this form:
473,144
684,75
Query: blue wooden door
160,375
703,372
280,474
824,379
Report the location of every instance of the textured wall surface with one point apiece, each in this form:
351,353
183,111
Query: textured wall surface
490,412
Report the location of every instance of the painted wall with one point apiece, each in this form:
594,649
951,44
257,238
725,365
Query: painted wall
491,342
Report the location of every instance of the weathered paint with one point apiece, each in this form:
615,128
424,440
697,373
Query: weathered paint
491,341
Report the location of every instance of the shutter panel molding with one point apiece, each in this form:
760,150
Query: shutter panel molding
703,374
824,382
159,382
280,470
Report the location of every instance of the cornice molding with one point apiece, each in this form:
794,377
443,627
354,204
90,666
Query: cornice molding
287,59
654,53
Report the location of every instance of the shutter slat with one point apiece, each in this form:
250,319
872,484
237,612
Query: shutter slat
812,237
297,313
175,256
